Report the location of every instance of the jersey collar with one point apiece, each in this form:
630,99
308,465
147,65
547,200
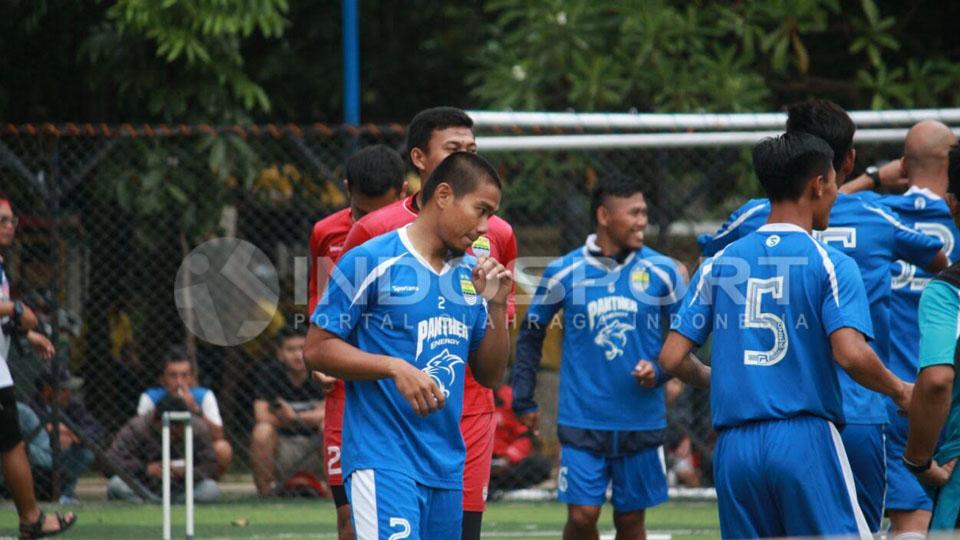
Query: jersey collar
594,255
782,228
405,239
914,190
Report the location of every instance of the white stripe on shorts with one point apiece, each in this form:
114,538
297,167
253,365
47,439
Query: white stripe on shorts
363,501
862,527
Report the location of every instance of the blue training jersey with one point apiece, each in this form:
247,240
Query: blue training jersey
771,301
874,237
614,315
384,298
925,211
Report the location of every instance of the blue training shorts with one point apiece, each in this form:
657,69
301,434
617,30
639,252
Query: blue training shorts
639,480
785,478
387,504
864,444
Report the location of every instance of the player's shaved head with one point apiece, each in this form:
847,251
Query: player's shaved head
926,148
953,172
463,172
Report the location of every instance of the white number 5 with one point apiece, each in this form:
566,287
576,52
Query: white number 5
756,318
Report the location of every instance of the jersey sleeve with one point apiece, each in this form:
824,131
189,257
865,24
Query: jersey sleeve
357,236
939,324
211,409
145,405
844,299
694,317
731,230
479,330
345,297
314,267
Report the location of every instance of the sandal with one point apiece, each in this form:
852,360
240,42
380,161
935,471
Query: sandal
35,529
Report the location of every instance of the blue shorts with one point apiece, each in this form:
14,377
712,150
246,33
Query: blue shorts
904,491
390,505
639,480
864,444
785,478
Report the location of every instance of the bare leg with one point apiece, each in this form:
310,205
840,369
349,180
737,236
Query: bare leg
344,523
224,453
581,523
19,479
908,521
630,525
263,445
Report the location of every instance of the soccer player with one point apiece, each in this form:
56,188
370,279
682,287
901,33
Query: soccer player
402,316
433,135
374,179
924,164
781,307
938,397
874,237
617,296
17,319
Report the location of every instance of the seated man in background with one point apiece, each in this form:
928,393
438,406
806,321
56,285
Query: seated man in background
39,453
289,410
179,378
78,428
515,465
137,451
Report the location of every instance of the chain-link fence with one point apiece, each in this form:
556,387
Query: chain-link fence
107,215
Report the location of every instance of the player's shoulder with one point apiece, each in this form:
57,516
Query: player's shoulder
336,222
648,256
563,265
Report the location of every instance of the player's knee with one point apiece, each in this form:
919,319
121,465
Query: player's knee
583,517
632,522
262,433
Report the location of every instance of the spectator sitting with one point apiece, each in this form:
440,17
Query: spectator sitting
514,464
178,378
137,451
77,456
289,412
39,453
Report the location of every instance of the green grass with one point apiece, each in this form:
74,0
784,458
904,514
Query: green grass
292,520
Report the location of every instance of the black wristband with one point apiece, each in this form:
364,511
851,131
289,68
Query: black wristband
17,315
914,468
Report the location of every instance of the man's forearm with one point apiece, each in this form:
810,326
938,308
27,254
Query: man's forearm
677,360
929,409
490,359
858,184
314,417
868,371
337,358
693,372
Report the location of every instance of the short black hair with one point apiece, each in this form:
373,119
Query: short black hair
613,185
170,403
375,170
175,353
288,332
953,171
827,120
463,171
786,163
427,121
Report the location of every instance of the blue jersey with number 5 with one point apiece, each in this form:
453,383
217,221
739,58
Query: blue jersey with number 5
771,301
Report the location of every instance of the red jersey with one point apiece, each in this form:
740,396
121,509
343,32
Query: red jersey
499,243
512,440
326,243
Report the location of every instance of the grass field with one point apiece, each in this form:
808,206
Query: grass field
291,520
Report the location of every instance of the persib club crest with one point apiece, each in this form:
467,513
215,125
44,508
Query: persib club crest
640,279
613,338
469,291
481,247
440,368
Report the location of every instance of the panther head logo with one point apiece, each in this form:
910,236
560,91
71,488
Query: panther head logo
613,338
440,369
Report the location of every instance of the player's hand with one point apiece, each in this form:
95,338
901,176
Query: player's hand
532,421
892,179
155,469
187,396
937,475
902,399
492,280
29,320
325,381
284,411
417,387
41,345
645,374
